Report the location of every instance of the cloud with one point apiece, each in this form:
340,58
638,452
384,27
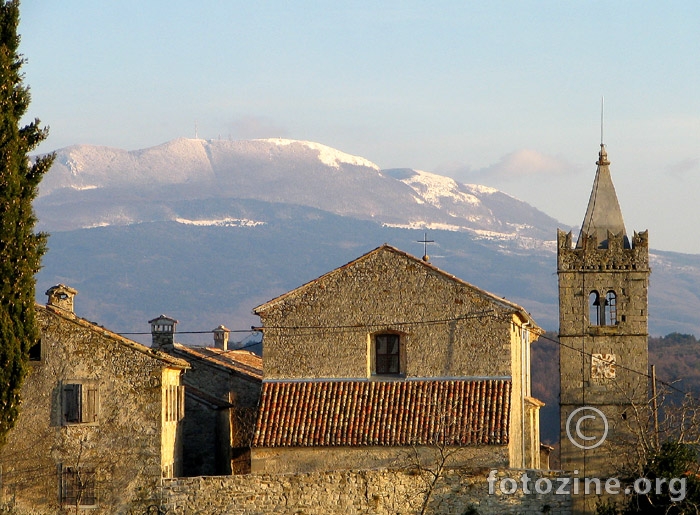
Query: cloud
255,127
526,163
521,164
454,169
682,168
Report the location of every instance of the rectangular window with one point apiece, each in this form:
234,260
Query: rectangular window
180,402
79,403
78,486
174,403
386,355
35,351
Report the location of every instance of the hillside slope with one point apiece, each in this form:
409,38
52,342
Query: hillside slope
205,229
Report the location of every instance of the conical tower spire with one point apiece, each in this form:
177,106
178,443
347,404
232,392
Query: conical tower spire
603,215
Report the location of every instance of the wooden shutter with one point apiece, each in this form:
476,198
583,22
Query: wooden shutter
181,402
89,412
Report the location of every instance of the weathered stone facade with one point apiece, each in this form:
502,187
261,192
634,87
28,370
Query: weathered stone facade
450,328
99,424
445,329
603,310
222,395
287,460
377,492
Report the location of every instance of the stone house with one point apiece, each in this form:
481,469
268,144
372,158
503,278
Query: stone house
388,357
100,420
222,391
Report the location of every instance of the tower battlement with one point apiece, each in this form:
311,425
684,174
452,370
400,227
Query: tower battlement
617,255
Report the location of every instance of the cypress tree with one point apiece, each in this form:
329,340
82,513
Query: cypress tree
20,247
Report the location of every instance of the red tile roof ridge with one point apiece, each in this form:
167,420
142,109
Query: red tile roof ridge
252,368
377,379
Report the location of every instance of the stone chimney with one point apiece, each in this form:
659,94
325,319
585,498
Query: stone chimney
61,297
163,332
221,337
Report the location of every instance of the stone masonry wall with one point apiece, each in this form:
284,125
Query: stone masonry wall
377,492
215,380
123,443
622,388
283,460
207,432
386,291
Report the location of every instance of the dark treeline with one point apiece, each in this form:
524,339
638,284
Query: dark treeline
676,356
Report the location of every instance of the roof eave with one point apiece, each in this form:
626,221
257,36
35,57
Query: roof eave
149,351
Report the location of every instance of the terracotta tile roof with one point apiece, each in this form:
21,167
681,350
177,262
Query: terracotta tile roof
358,413
240,361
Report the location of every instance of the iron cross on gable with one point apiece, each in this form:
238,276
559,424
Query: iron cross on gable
425,242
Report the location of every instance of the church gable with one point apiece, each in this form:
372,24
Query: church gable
379,353
415,280
387,313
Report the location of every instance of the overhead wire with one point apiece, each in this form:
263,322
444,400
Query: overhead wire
364,326
618,365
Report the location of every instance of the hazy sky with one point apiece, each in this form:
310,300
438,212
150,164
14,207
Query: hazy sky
505,94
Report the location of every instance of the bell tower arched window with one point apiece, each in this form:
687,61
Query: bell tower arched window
610,308
602,310
594,308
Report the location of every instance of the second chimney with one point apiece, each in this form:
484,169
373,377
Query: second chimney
221,337
163,332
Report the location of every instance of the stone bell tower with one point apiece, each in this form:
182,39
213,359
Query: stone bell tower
603,309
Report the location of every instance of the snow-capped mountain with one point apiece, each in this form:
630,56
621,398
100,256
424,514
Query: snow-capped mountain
92,186
204,230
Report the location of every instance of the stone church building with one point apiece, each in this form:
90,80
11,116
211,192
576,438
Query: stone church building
388,356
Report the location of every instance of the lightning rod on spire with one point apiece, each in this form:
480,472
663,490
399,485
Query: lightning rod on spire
602,110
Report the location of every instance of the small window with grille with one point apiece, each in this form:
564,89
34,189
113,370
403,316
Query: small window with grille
387,354
77,487
174,403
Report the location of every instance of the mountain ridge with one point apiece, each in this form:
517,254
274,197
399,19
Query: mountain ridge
273,170
159,230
